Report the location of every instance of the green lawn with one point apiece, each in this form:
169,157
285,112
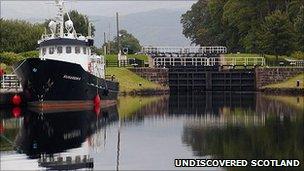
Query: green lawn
129,81
242,55
290,83
139,56
111,58
269,59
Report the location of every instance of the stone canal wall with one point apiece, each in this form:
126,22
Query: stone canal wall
157,75
266,76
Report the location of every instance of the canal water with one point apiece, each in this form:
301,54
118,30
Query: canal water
150,132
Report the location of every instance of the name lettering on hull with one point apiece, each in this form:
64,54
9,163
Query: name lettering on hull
71,77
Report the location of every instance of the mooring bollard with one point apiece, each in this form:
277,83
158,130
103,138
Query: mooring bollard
298,83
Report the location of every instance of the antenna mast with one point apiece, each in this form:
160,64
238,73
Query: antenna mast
60,16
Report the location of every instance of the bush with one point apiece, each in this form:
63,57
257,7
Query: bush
7,69
9,58
19,36
30,54
298,55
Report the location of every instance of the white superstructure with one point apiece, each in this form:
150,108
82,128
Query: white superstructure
70,46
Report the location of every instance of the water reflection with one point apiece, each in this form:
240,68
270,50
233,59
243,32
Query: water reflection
46,135
150,132
210,103
246,126
49,133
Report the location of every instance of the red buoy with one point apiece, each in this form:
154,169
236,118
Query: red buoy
16,100
16,112
97,110
97,100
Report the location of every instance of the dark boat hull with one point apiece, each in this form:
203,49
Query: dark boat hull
49,81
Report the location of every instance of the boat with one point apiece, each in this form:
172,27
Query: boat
67,72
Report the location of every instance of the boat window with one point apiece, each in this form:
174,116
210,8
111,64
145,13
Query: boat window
43,51
77,49
68,49
59,49
51,50
84,50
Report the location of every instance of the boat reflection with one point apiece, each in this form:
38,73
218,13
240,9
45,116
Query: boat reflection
46,134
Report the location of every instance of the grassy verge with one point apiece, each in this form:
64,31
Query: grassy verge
129,81
270,60
290,83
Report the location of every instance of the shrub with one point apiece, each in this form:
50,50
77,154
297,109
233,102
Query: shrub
298,55
30,54
9,58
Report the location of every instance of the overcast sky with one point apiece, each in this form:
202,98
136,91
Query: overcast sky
45,9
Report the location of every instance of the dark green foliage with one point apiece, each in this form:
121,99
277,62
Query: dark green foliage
277,34
19,36
299,28
98,51
298,55
30,54
10,58
242,25
127,40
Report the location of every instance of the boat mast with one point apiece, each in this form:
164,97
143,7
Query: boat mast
60,16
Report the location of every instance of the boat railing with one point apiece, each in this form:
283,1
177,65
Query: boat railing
57,35
10,81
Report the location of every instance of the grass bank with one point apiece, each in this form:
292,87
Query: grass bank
290,83
131,83
270,60
287,87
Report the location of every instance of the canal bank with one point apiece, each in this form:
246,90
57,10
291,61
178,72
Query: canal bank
291,86
130,83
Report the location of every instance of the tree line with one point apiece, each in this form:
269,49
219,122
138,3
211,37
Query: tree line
21,36
252,26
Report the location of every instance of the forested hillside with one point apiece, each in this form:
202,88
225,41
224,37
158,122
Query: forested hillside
254,26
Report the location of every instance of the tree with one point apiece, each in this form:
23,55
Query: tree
19,36
80,22
277,34
195,24
238,24
299,28
127,40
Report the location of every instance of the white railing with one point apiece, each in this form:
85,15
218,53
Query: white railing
65,35
200,50
10,81
245,61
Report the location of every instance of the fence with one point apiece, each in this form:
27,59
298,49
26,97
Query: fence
131,62
10,81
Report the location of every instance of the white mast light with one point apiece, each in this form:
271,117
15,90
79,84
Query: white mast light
52,26
69,25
